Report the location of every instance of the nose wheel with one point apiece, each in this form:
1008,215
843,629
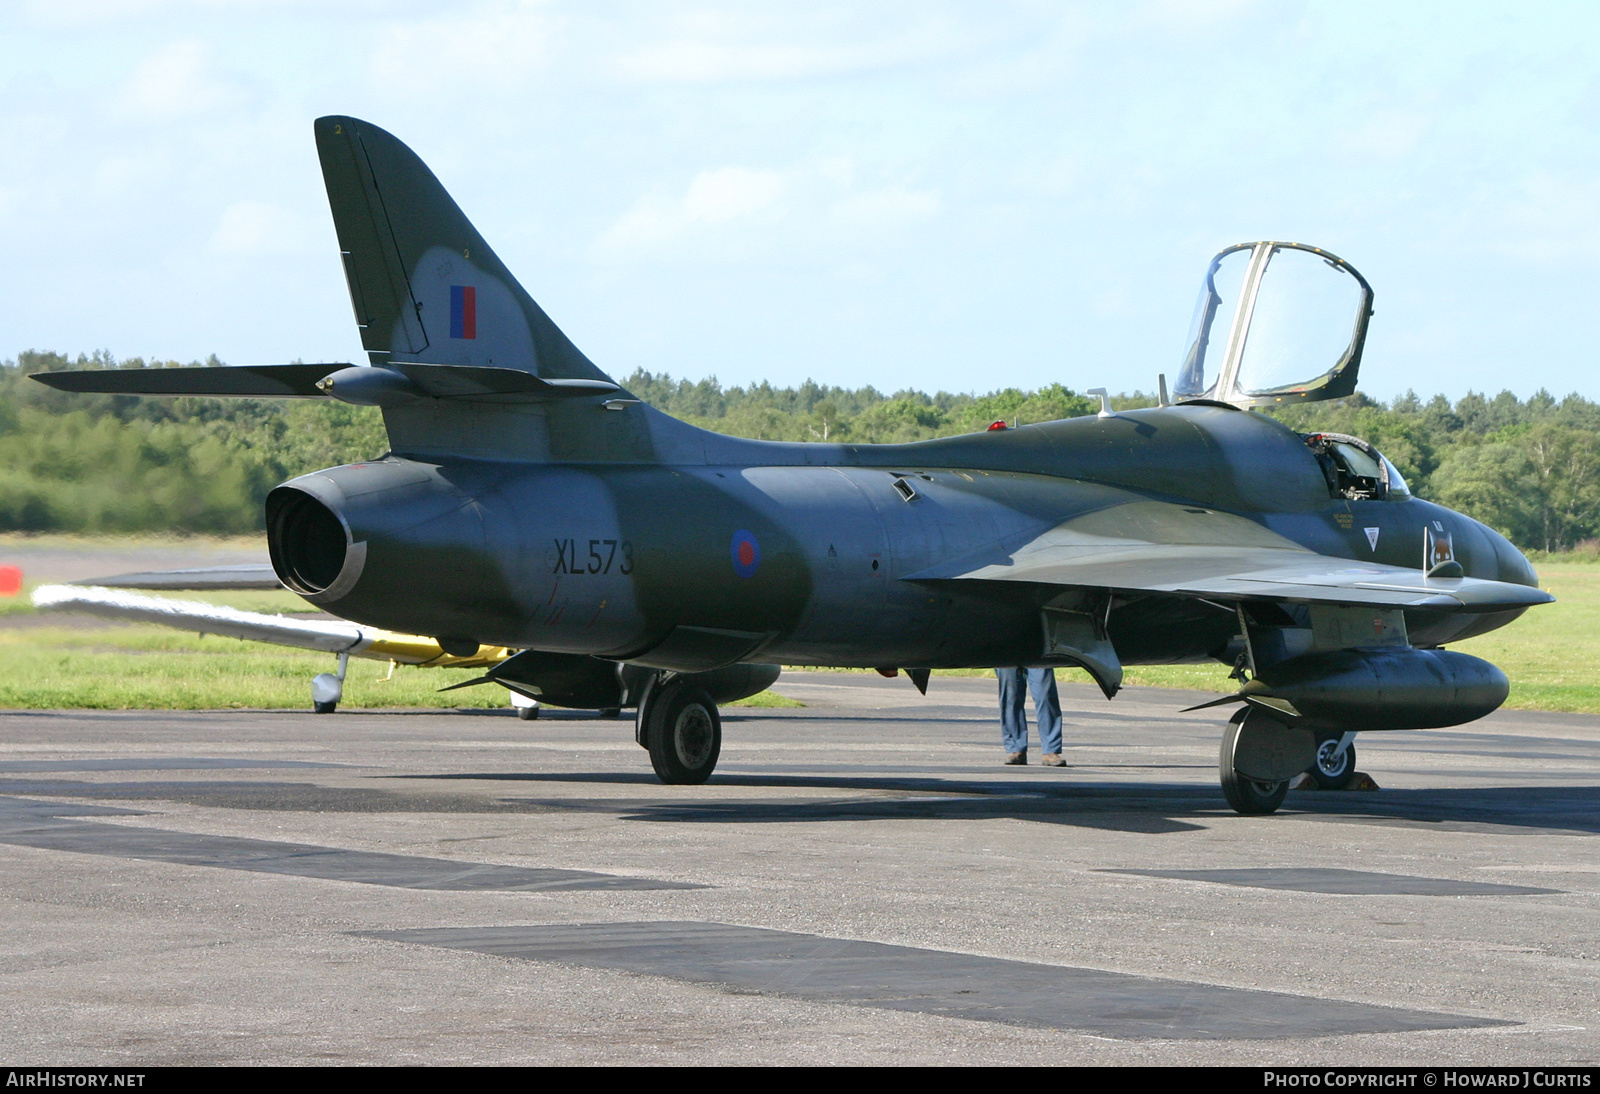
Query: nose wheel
1335,768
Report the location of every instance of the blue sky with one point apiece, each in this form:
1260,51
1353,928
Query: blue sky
939,196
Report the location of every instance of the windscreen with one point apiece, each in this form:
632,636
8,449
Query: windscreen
1302,324
1213,322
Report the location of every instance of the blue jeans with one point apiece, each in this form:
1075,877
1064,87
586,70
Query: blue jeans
1046,708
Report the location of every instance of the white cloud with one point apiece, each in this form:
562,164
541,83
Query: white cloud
840,169
1548,217
740,43
98,14
726,203
729,193
88,13
499,43
721,196
713,62
1193,14
1388,134
176,81
891,205
257,228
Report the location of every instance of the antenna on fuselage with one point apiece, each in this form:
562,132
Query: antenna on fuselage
1105,402
1161,385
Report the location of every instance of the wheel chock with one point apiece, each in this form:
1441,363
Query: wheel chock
1362,781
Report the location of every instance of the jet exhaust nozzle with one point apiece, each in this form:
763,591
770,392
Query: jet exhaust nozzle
392,543
1373,689
308,543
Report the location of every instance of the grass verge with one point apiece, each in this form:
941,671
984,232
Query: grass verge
1549,654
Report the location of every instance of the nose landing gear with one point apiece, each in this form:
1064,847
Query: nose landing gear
1335,767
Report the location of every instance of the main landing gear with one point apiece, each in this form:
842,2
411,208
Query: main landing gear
678,723
1256,790
1260,755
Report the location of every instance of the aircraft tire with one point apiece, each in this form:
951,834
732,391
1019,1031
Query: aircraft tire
325,708
1251,797
683,734
527,714
1330,774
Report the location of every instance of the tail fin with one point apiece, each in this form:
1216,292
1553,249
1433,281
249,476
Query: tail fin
424,284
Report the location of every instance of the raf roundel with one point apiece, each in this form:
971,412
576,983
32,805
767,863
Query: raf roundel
746,554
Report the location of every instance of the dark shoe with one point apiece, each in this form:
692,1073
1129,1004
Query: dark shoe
1052,759
1017,757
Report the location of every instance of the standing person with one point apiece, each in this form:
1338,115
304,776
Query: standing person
1014,719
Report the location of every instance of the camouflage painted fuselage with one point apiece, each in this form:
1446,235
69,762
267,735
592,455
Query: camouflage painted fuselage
630,536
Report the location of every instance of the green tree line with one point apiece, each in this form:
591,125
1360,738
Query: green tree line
113,463
119,463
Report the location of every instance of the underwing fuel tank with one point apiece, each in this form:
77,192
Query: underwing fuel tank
1397,688
588,683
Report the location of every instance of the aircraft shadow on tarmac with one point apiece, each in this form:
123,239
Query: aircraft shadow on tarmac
1105,804
1122,806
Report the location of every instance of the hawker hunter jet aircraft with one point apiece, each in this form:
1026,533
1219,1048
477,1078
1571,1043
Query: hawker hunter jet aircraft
528,501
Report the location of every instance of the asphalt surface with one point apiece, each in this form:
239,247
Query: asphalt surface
861,882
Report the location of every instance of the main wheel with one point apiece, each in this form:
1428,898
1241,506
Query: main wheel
1333,771
528,714
683,734
325,708
1249,796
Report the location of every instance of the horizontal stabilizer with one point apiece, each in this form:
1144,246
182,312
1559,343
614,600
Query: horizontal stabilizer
260,381
469,383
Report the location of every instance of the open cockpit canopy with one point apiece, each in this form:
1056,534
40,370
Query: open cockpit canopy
1275,323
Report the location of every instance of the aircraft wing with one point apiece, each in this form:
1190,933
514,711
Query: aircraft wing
1257,565
325,635
213,578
